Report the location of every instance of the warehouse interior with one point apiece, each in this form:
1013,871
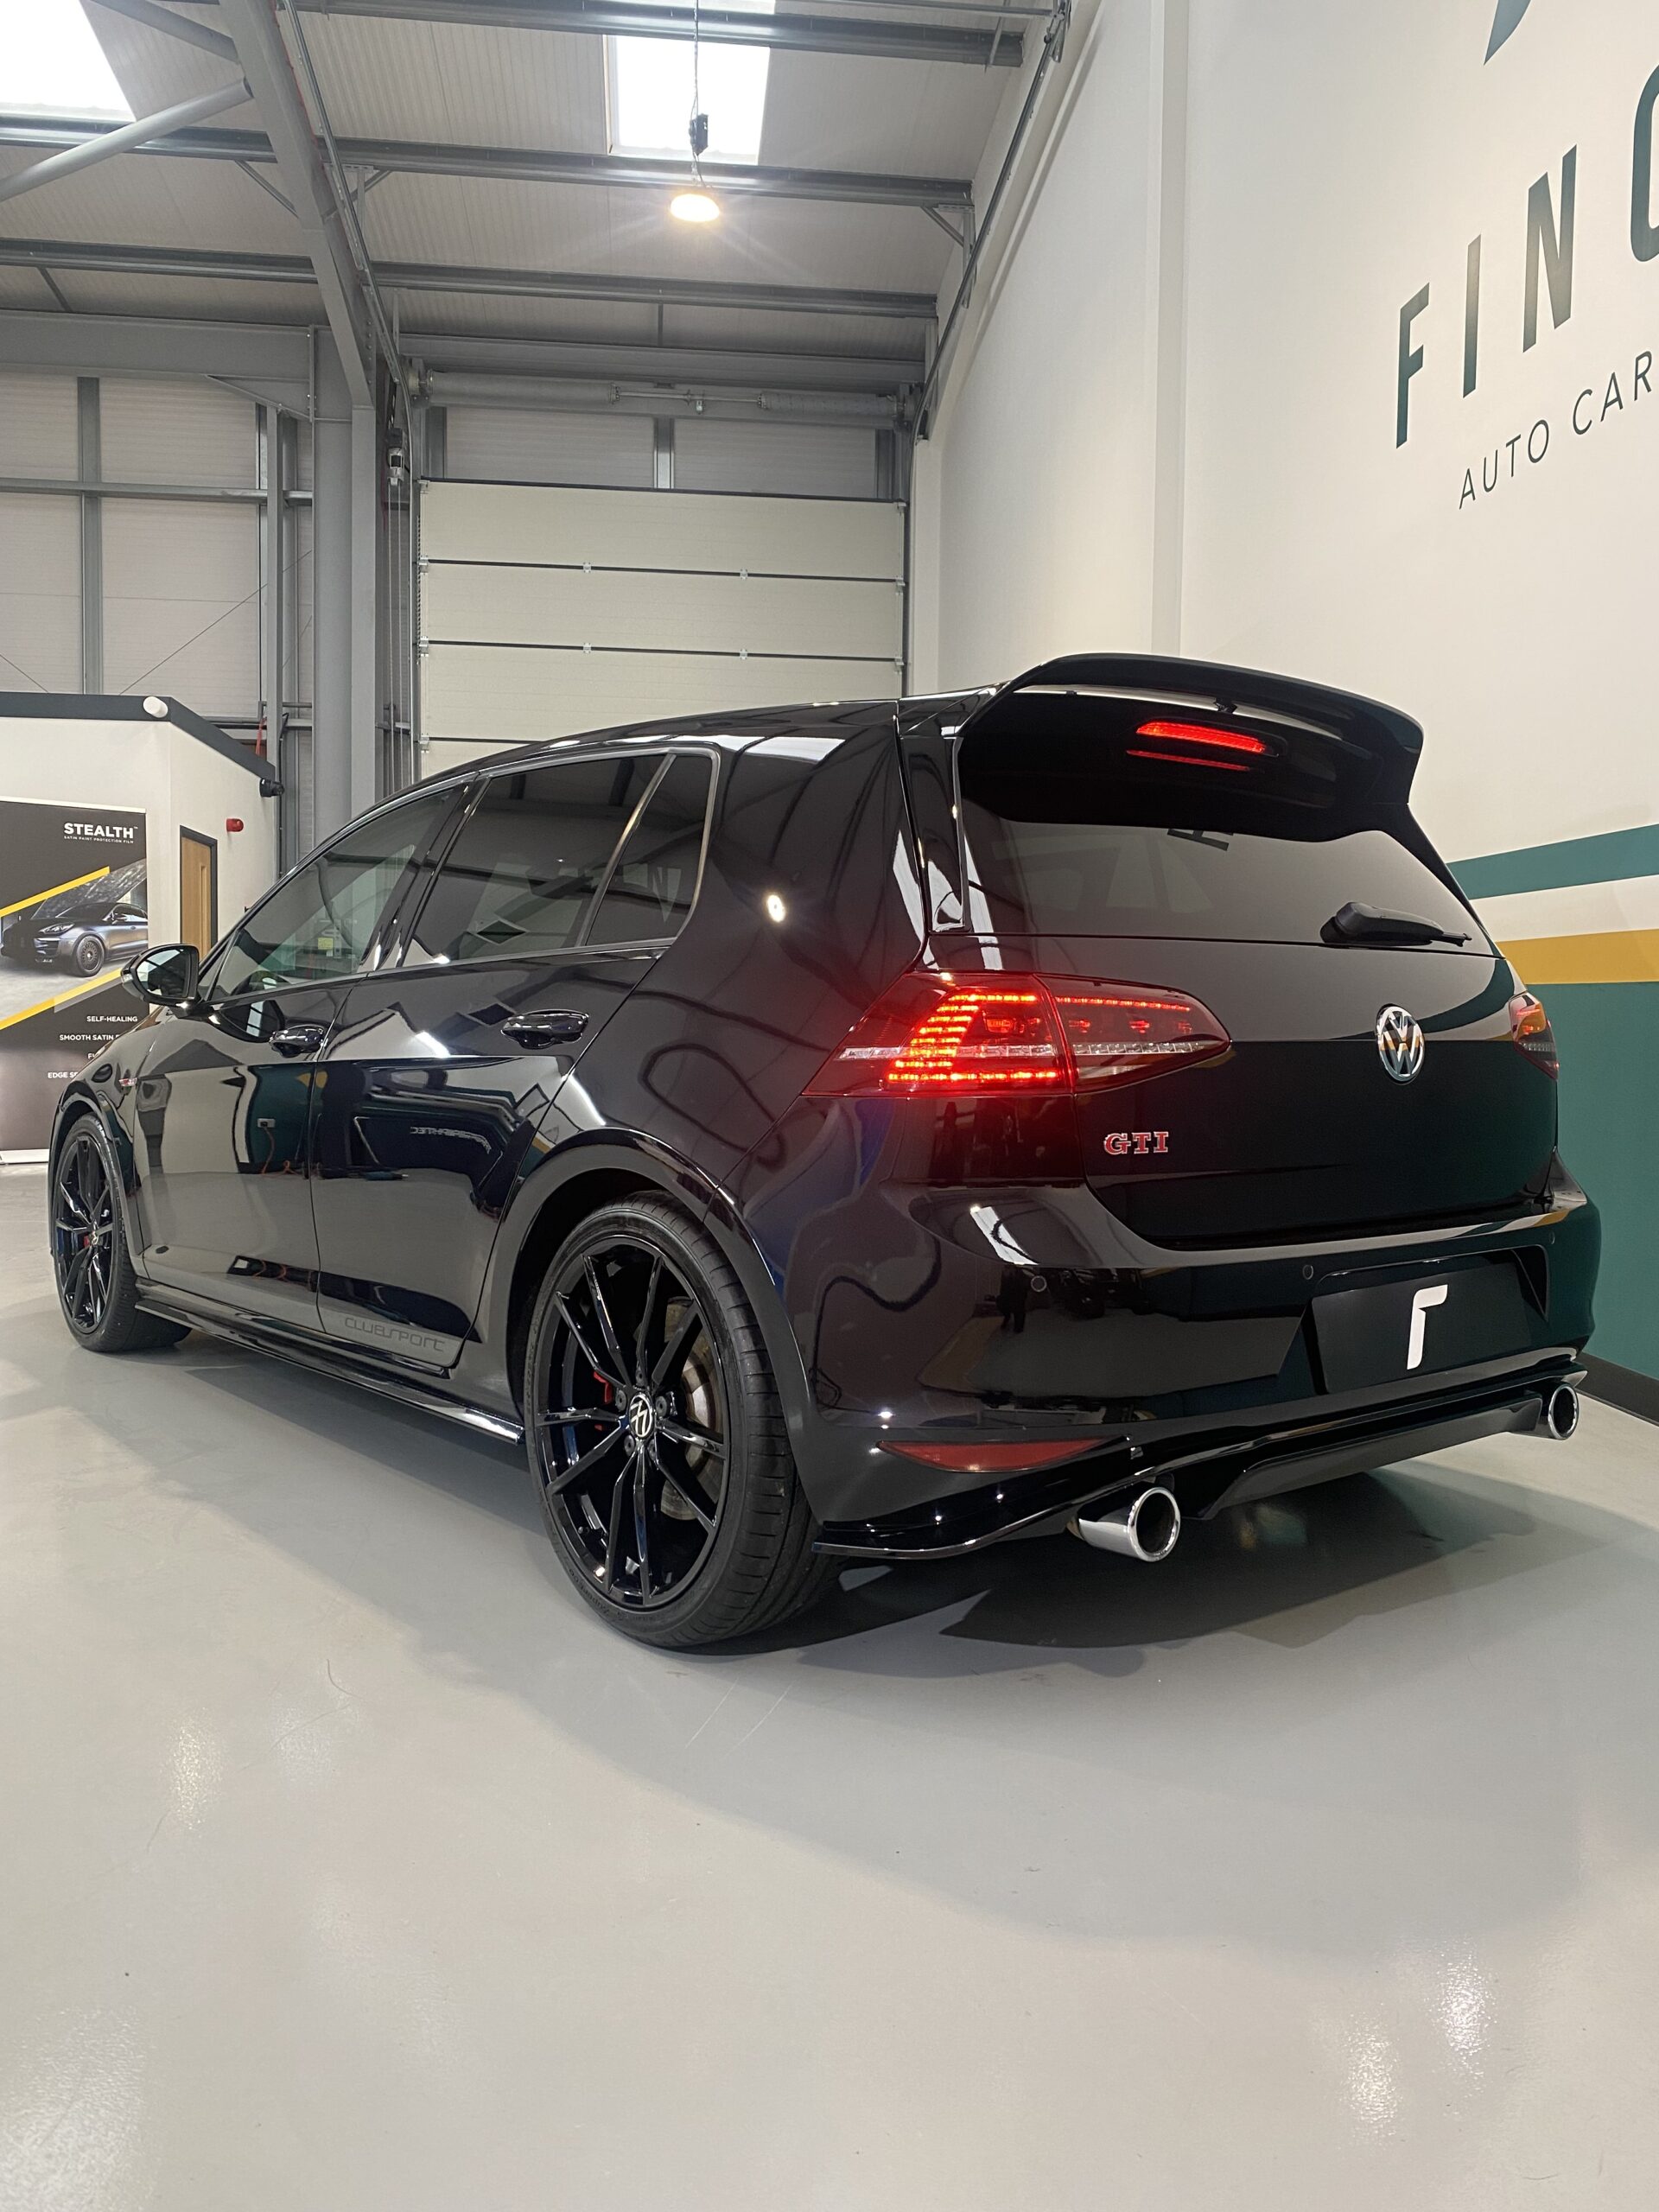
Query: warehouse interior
371,403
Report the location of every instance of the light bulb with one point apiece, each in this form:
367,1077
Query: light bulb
695,207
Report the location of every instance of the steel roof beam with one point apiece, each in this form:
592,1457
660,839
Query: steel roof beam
158,18
526,165
815,34
273,361
126,137
305,182
710,366
420,276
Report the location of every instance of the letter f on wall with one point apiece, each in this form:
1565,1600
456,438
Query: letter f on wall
1505,23
1421,1301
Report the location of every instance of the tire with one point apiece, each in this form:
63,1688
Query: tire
98,1292
671,1493
88,955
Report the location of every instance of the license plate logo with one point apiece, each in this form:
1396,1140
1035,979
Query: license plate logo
1422,1303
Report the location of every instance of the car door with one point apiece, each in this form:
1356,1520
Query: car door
557,895
222,1110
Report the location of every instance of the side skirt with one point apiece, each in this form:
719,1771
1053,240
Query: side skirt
340,1367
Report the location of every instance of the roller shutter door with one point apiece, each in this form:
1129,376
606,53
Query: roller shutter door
548,609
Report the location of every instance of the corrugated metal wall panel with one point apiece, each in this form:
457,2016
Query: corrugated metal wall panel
481,694
483,604
180,606
512,446
156,431
819,461
657,530
37,423
40,589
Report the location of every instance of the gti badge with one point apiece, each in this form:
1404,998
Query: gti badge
1399,1043
1139,1142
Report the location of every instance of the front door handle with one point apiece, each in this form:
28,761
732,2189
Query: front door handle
554,1025
299,1037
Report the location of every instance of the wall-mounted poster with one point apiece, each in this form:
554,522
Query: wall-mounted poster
74,907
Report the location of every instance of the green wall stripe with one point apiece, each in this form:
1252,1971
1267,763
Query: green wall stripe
1606,859
1608,1039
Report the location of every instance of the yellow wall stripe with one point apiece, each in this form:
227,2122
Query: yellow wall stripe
98,983
1604,956
36,897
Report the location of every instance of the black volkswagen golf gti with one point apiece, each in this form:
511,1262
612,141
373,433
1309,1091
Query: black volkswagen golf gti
866,1132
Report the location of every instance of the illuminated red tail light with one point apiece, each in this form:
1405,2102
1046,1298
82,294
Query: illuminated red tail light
1003,1035
1529,1029
1202,734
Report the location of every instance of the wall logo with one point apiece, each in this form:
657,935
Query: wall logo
100,833
1505,23
1534,265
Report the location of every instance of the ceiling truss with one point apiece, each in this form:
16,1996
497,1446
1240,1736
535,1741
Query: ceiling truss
823,32
518,165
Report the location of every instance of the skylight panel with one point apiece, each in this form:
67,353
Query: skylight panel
651,92
51,63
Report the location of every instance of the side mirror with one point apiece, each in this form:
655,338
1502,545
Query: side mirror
165,977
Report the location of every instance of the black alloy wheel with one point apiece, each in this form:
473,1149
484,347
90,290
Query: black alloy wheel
89,955
635,1443
656,1436
96,1287
83,1232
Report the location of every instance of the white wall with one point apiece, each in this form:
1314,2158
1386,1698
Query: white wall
1519,625
172,778
1033,500
1339,159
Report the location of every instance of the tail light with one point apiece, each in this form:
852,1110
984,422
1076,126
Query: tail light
1205,739
1002,1035
1224,740
1529,1028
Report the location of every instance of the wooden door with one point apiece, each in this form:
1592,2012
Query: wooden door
198,889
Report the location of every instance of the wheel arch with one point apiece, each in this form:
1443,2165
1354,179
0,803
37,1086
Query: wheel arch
596,1173
76,1103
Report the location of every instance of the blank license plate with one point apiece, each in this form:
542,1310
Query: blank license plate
1383,1332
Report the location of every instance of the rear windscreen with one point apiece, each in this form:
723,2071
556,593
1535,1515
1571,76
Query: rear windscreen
1075,823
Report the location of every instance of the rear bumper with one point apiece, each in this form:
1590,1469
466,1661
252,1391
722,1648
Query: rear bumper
1210,1477
991,1315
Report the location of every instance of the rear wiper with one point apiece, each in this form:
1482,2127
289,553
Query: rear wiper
1357,925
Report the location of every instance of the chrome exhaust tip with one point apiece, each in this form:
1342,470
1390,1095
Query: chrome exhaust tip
1561,1412
1147,1527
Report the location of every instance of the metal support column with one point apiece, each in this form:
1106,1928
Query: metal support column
365,657
90,468
331,589
295,758
273,592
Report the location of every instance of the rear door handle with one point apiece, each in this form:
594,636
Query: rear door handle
299,1037
554,1025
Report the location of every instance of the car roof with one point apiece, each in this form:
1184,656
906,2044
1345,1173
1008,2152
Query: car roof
736,732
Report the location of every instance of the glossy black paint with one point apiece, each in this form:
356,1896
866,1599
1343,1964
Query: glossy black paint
388,1200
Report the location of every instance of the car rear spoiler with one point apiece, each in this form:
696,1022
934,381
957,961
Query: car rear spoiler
1392,738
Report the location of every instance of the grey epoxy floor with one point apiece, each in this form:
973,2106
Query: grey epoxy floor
345,1862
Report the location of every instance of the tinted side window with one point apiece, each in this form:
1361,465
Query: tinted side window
651,889
322,921
522,874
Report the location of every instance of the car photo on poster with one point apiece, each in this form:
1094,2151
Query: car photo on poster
84,930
